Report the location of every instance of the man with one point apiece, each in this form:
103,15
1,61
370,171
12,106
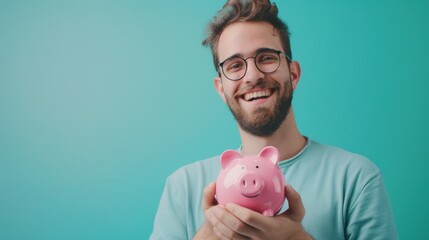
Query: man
339,195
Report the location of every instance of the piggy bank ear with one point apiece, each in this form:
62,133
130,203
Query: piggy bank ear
270,153
228,156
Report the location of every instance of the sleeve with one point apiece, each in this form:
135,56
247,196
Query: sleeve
370,216
170,219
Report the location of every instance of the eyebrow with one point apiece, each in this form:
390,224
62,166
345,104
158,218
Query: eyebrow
259,50
265,50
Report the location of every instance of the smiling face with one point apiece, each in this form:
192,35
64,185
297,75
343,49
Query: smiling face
259,101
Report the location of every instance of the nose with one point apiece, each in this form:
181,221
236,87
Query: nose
251,185
253,74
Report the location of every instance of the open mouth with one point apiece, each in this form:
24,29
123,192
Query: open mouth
252,96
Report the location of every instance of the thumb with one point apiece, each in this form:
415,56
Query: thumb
296,210
208,196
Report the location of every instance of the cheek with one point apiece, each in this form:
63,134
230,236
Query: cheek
286,84
230,89
282,81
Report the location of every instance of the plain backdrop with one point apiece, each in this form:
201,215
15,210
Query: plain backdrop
101,100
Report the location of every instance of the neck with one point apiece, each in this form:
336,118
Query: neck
286,139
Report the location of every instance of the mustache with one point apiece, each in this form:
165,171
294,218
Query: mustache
262,85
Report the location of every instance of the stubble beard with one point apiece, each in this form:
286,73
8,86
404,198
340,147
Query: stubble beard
263,121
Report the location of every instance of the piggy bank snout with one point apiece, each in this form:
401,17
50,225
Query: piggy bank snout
251,185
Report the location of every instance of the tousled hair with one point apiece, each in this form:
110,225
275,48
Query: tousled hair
245,11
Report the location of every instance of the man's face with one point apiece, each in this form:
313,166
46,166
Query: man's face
259,101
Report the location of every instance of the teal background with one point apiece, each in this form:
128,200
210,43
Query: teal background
101,100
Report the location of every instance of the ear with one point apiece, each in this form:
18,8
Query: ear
270,153
295,73
227,157
219,87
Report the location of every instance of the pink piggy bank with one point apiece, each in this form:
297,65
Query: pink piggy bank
254,182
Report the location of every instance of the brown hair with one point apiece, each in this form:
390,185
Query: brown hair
245,11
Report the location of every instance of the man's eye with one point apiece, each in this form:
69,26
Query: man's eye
267,58
235,66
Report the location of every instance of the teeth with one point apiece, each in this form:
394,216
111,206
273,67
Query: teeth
257,94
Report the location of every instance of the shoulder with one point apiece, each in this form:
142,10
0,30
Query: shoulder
342,158
345,168
352,173
197,173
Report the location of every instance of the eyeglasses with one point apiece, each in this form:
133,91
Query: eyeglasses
267,61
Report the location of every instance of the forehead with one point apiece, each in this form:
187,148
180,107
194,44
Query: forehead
246,37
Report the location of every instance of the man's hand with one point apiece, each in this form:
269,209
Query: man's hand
235,222
209,201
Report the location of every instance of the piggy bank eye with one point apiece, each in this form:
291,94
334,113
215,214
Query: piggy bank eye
257,166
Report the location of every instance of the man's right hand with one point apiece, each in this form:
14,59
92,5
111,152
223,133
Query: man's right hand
209,202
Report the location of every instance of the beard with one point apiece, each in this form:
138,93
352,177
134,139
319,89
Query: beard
264,121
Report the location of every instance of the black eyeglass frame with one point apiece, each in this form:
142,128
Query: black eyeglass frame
288,59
